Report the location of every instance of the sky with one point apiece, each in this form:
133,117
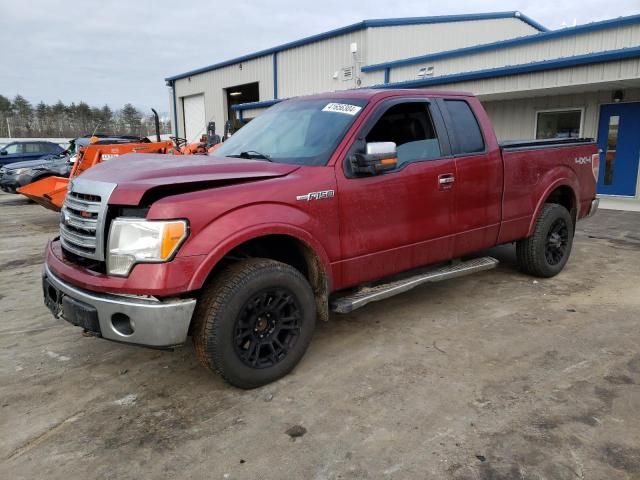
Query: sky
114,51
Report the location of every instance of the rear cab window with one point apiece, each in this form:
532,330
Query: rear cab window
465,128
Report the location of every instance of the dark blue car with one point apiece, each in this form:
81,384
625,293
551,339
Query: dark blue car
28,150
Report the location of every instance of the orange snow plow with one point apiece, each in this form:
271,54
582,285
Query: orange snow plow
50,192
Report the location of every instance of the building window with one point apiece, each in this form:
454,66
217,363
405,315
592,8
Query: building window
612,146
559,124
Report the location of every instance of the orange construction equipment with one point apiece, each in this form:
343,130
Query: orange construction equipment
50,192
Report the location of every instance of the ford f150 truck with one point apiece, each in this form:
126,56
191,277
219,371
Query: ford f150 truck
322,203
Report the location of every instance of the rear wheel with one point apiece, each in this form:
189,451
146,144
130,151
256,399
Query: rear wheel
546,252
254,322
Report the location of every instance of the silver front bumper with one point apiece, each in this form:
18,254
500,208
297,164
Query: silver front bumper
154,323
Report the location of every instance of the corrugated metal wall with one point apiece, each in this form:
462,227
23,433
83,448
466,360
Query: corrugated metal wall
515,119
610,39
393,43
310,68
213,83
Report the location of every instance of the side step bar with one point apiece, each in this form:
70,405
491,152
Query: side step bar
367,295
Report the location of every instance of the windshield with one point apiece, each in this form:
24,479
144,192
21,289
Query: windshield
302,132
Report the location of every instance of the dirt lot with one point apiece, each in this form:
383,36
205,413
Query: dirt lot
492,376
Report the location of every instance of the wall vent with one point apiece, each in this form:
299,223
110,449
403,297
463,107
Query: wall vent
347,73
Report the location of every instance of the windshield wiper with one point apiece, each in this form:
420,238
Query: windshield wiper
252,155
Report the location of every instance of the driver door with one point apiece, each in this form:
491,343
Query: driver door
403,218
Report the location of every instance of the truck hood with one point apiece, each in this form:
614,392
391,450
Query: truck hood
153,176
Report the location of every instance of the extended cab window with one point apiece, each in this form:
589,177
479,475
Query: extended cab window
409,126
465,126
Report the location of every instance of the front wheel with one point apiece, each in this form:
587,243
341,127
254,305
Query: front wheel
546,252
254,322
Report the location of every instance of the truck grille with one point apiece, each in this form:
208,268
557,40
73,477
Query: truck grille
82,219
81,222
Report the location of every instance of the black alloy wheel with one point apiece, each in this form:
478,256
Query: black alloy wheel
557,242
253,321
267,328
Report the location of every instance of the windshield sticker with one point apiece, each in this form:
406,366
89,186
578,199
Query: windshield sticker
342,108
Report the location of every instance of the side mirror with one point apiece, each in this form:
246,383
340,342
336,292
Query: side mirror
3,152
379,157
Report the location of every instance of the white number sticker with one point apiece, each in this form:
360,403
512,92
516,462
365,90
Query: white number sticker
342,108
109,156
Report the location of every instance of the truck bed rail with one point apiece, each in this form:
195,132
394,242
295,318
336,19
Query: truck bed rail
544,143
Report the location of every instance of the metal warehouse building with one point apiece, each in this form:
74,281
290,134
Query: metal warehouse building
535,83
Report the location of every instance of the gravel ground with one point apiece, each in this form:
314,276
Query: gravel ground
491,376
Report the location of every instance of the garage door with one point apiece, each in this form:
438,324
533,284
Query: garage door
194,117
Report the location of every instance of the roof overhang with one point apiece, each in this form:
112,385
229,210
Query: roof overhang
513,42
541,66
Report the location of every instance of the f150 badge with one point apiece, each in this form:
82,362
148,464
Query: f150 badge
316,196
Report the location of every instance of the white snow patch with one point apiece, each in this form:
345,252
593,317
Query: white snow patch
127,400
57,356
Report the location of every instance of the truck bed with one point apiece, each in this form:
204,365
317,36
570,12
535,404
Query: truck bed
535,168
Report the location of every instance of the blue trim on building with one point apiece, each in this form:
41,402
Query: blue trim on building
388,22
577,60
275,74
538,37
249,106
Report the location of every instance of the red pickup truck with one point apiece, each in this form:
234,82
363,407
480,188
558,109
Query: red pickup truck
322,203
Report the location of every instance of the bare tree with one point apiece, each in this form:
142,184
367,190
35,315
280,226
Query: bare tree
21,119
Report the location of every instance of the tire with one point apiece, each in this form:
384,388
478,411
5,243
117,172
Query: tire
240,333
546,252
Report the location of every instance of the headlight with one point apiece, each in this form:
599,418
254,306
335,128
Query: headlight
134,240
20,171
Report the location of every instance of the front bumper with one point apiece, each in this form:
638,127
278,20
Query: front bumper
9,183
136,320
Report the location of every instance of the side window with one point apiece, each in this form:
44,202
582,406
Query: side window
32,148
13,148
49,147
410,127
465,126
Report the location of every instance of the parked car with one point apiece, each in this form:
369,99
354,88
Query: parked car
321,203
29,150
16,175
19,174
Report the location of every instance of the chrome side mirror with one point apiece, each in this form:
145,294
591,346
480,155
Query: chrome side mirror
379,157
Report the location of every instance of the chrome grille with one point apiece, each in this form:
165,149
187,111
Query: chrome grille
82,219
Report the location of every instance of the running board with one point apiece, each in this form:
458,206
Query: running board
367,295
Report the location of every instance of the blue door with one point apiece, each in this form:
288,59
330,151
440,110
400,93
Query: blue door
619,140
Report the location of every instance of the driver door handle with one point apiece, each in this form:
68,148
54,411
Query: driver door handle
446,181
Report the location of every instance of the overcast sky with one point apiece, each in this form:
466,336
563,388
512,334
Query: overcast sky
115,51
